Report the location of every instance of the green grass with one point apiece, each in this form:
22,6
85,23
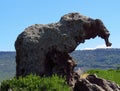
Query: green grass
54,83
35,83
113,75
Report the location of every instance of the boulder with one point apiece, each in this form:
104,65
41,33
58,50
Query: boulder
94,83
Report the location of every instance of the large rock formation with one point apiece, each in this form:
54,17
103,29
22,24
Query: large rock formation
43,49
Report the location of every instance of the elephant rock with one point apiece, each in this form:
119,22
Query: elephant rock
44,49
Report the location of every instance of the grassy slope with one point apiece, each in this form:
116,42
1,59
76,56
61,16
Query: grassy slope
35,83
113,75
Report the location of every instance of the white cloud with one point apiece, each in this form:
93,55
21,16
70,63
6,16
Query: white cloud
103,46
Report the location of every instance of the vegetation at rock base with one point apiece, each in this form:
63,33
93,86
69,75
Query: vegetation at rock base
110,74
35,83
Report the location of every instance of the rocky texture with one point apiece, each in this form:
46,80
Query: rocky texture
43,49
61,64
94,83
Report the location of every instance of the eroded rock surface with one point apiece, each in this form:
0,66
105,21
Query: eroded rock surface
94,83
44,49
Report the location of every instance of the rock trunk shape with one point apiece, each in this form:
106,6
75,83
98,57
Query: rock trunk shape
44,49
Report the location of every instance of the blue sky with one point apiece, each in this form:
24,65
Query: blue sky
16,15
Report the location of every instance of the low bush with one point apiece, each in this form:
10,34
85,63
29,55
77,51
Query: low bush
35,83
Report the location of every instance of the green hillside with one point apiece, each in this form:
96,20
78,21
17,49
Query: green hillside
99,58
7,65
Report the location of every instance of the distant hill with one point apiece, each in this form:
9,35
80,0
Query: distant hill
99,58
7,65
86,59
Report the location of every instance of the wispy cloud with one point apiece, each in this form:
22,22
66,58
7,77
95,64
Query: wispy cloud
103,46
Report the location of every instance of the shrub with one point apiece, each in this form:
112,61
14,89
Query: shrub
35,83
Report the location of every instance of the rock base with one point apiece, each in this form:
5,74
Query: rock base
94,83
